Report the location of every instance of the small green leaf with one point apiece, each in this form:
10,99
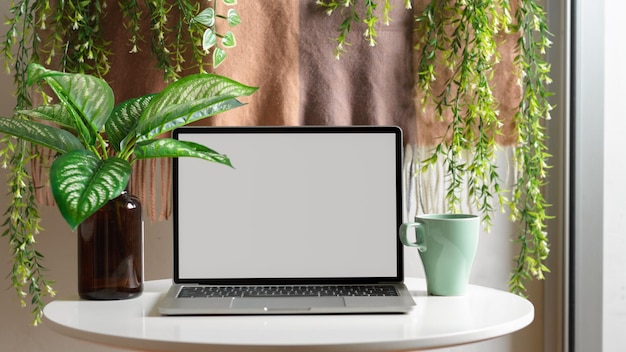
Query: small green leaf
48,136
82,183
230,2
208,39
172,148
219,55
206,17
124,119
229,40
233,18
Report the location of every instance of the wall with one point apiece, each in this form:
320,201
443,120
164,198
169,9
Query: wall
599,218
614,281
58,244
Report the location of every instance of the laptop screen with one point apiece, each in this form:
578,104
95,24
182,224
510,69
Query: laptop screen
299,204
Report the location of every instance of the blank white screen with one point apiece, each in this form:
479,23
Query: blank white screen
294,206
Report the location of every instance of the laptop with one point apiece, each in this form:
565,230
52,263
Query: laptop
305,222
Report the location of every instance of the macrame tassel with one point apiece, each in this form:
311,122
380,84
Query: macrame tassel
151,182
426,189
166,190
39,171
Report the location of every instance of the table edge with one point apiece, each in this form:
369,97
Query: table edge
152,286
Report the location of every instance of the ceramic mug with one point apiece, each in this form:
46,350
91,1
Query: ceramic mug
447,245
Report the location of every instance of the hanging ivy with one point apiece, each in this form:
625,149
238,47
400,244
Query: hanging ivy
22,217
463,37
70,34
528,204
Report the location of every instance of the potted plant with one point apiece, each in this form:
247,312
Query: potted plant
169,39
96,144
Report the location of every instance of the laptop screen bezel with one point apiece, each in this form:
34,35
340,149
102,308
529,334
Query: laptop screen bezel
393,130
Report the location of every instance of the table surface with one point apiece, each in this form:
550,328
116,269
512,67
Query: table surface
483,313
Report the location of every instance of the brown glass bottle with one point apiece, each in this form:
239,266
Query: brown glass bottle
110,251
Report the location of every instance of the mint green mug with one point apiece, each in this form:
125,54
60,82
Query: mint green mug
447,245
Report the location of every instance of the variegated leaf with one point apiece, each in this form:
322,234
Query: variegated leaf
229,40
48,136
219,55
89,110
233,18
196,87
172,148
56,113
182,114
189,99
206,17
209,39
124,119
82,183
37,72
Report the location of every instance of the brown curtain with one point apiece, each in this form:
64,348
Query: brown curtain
287,50
285,47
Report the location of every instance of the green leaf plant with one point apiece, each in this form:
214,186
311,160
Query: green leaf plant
69,34
94,167
96,144
462,35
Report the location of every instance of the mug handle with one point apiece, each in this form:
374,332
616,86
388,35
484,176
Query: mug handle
419,235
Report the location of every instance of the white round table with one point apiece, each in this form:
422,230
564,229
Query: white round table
482,314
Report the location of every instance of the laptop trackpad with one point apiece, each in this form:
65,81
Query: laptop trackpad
287,304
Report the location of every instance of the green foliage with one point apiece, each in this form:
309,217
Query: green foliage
463,37
76,37
21,46
21,227
528,206
92,170
348,9
208,19
73,41
45,135
82,183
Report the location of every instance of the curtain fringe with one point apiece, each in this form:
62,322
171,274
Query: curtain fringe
425,190
151,182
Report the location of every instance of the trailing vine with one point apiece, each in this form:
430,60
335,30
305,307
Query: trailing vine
528,204
70,34
466,37
23,220
463,36
352,17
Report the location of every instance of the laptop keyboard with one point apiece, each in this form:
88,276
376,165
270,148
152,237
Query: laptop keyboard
278,291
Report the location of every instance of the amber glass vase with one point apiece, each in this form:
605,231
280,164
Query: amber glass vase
110,251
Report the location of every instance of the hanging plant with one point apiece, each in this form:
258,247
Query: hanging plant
69,35
464,36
